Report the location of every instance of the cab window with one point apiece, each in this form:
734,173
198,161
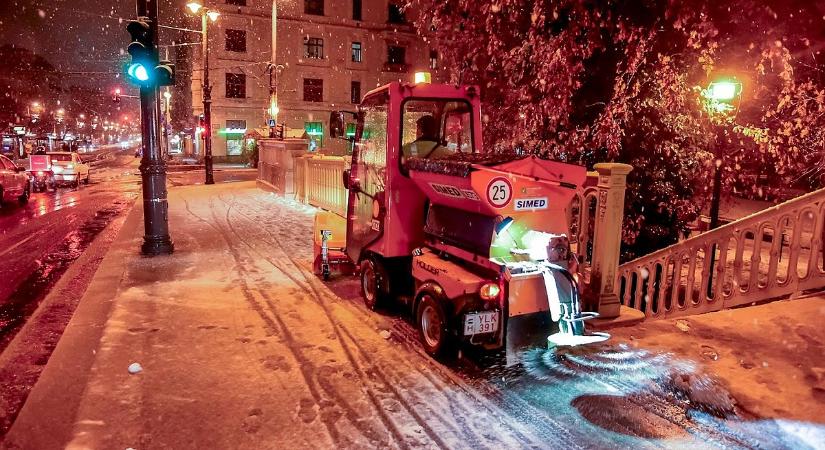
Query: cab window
435,128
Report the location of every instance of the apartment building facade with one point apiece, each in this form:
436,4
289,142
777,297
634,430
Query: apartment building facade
329,54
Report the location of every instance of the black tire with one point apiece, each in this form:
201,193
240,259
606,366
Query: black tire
373,283
432,323
23,199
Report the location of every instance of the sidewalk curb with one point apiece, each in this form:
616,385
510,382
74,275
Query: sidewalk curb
75,353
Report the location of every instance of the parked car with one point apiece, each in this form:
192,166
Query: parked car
68,167
14,182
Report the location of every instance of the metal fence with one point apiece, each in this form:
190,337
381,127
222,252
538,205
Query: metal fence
772,254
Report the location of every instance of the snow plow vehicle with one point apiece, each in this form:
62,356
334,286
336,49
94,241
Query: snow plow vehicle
475,244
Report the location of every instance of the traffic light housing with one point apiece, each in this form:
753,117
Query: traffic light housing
165,74
143,52
145,69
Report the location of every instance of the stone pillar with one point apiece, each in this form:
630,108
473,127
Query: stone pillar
607,239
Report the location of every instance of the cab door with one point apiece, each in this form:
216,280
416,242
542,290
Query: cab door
369,173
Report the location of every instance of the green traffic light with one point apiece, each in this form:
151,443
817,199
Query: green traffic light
138,72
141,74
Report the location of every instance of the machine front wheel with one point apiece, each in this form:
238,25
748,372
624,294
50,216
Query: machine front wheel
432,326
372,283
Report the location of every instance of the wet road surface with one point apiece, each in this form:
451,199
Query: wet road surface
39,240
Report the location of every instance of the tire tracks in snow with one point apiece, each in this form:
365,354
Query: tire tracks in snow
269,322
389,424
307,284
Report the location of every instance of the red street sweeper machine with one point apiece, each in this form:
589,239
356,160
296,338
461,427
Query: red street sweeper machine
474,243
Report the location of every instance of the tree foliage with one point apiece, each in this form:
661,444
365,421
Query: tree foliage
24,77
593,81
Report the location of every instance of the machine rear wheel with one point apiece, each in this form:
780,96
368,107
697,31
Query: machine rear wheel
432,326
373,278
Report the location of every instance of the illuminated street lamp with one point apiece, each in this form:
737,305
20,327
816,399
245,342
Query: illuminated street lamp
198,8
722,99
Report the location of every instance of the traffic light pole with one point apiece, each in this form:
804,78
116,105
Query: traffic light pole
156,239
207,104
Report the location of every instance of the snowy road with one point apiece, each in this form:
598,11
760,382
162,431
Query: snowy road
241,346
363,380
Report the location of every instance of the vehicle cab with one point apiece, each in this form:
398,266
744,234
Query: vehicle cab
396,122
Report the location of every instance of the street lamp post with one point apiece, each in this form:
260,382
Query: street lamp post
273,110
206,87
721,96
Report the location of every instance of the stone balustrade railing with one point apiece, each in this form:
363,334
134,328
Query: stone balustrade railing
772,254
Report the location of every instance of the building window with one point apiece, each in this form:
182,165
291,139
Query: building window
236,41
433,59
236,2
396,14
235,85
356,10
237,126
314,48
234,131
355,92
315,7
234,145
313,90
315,133
356,52
396,55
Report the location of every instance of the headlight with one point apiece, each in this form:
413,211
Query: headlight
489,291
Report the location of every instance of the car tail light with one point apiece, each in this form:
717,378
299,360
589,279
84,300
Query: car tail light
40,173
489,291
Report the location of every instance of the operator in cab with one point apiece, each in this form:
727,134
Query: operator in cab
426,143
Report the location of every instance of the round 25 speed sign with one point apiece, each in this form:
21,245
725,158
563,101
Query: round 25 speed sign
499,192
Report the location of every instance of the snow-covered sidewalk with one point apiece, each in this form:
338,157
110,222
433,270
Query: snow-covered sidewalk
240,346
